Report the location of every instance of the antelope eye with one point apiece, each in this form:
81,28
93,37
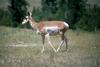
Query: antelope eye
26,18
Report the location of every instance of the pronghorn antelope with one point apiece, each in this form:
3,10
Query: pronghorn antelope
47,29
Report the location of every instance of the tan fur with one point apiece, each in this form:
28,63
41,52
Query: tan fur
40,25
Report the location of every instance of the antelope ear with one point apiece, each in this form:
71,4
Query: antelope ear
29,14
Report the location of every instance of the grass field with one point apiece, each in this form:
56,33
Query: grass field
21,48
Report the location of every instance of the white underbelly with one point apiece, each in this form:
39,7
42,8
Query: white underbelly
52,30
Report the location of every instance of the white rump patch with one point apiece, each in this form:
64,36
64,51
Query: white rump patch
66,24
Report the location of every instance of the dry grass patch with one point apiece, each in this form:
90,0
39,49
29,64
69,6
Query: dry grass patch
83,49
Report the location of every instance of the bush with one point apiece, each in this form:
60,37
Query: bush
5,18
90,20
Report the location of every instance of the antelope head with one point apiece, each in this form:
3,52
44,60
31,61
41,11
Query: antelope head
28,18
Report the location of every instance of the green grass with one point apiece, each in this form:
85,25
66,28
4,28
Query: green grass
83,49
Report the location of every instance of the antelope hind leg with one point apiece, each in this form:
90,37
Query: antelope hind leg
66,42
60,45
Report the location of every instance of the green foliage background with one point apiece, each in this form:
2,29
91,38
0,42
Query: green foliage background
77,13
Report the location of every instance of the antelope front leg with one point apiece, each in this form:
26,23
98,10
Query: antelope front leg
43,40
48,39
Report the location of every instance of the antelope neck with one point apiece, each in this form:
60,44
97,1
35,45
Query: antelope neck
33,24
